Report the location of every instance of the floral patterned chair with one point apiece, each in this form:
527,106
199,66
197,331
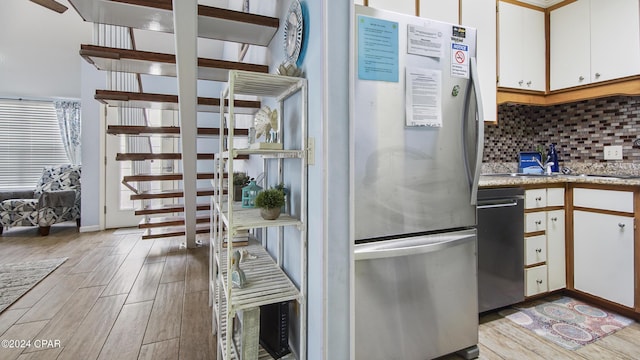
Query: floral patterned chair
55,199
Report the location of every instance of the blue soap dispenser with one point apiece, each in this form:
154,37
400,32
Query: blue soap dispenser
552,156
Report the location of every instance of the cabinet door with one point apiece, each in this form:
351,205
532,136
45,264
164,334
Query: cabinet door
615,39
535,280
533,41
442,10
510,45
535,250
399,6
603,256
555,197
535,198
481,14
570,45
556,266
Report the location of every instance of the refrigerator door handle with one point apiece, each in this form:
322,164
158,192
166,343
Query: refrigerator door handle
400,248
480,131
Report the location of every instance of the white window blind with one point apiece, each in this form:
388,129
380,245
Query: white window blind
29,140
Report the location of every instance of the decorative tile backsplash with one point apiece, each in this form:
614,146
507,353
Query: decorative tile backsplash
580,130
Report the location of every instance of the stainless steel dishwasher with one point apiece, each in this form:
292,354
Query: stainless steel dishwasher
416,298
500,247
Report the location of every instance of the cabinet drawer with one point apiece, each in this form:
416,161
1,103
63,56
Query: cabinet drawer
535,280
555,197
535,198
603,199
535,250
536,221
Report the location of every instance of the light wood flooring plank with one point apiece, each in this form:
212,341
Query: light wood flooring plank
158,251
163,350
47,354
34,295
487,354
25,332
105,272
196,339
532,342
125,339
166,316
9,317
197,270
91,261
141,248
175,267
54,300
124,245
505,347
93,331
146,284
65,323
625,348
123,280
594,351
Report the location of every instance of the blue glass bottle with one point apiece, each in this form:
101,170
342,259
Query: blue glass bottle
553,157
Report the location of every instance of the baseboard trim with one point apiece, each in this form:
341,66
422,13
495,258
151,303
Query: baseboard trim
90,228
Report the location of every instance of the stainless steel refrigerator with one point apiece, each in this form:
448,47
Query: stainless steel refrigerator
417,134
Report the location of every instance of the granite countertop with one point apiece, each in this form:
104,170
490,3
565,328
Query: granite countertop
504,180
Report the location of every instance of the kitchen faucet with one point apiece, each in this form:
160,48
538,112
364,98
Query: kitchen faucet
546,166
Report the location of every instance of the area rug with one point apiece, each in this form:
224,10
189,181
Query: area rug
565,321
16,279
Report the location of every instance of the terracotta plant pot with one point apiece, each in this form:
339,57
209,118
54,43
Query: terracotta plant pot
270,214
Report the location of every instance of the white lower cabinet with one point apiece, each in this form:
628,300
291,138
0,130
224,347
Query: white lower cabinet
603,256
544,241
556,254
535,280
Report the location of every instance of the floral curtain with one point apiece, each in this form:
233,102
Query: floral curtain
68,113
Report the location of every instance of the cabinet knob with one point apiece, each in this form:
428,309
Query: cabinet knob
529,83
539,282
538,250
597,75
621,225
538,198
581,78
520,82
554,219
538,222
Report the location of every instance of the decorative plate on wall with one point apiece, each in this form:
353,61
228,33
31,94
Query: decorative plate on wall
293,27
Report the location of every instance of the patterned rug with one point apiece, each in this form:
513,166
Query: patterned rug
16,279
567,322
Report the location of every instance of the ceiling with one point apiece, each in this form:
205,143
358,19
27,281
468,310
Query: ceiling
542,3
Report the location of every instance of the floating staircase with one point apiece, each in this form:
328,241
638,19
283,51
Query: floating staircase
213,23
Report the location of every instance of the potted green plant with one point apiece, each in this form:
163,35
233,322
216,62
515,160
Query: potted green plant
240,180
270,201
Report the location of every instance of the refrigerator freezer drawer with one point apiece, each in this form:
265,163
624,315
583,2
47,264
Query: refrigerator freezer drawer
416,298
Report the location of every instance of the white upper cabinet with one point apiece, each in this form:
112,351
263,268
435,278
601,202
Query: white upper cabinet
615,39
481,14
442,10
407,7
522,47
594,40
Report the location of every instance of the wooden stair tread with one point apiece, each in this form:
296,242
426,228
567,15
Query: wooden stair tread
166,221
213,23
153,63
169,102
169,208
165,130
156,233
167,156
165,177
173,193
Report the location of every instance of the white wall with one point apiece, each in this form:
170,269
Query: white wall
39,50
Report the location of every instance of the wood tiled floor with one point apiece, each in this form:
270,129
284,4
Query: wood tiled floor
116,297
119,297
